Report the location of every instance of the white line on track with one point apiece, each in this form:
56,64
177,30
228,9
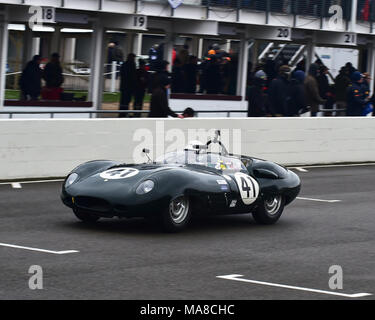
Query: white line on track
319,200
238,277
37,249
301,169
16,185
335,165
31,182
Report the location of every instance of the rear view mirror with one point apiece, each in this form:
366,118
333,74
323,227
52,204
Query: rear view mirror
147,152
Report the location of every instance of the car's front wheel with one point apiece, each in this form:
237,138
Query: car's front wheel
269,210
177,216
86,217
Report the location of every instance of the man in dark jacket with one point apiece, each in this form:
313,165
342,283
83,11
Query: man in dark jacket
356,96
141,85
297,100
159,100
127,84
278,92
313,98
178,82
191,72
214,84
54,79
323,82
53,72
342,83
258,103
30,81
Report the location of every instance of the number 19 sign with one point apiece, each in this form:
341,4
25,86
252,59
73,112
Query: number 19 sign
139,22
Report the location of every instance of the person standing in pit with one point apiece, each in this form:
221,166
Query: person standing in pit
128,83
142,81
30,81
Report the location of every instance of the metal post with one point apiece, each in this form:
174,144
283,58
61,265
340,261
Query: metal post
97,66
310,47
268,10
113,76
371,64
243,68
200,48
3,55
353,18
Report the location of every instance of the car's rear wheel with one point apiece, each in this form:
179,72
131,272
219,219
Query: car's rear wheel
86,217
269,210
177,216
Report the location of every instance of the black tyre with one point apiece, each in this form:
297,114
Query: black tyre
86,217
270,210
177,216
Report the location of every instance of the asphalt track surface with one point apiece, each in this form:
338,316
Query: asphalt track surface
132,259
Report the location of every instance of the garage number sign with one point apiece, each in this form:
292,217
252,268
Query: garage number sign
139,22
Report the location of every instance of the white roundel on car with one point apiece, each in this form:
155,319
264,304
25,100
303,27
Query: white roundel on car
119,173
248,186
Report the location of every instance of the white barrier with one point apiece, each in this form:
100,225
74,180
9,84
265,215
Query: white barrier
51,148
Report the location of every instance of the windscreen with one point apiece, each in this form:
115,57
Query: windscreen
211,160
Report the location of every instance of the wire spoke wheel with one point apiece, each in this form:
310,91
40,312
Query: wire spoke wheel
269,210
272,205
179,210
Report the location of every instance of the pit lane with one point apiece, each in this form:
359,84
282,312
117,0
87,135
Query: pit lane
132,259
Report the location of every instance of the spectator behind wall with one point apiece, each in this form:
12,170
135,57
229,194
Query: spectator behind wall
356,97
54,79
297,100
313,99
178,77
159,100
128,83
213,76
342,83
191,74
278,92
142,81
30,81
258,102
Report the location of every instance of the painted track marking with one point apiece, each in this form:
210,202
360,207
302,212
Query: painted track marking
16,185
37,249
238,277
318,200
31,182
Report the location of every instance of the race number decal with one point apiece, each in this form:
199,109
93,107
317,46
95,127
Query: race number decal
119,173
249,188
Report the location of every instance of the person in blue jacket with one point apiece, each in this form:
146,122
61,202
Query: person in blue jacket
356,96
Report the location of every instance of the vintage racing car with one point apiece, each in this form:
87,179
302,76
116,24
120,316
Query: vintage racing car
179,185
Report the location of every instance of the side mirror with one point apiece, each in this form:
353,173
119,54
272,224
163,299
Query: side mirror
265,174
200,147
147,152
